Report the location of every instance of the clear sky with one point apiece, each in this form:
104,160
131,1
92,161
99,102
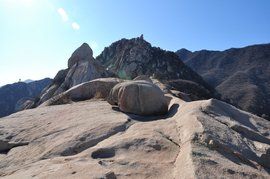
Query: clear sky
38,36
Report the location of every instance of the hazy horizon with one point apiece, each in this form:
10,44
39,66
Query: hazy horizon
38,37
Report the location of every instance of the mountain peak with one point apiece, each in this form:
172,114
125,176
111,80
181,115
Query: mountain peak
183,54
83,53
129,58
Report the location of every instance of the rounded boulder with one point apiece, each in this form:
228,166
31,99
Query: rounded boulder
139,97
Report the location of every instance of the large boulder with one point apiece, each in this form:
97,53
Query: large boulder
139,97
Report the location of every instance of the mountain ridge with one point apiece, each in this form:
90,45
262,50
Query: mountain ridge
246,68
12,96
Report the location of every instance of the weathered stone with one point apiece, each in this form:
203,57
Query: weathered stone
139,97
82,67
98,88
90,140
83,53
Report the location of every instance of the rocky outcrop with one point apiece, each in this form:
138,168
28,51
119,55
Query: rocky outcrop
127,59
201,139
265,159
98,89
240,75
25,103
81,68
13,96
131,58
139,97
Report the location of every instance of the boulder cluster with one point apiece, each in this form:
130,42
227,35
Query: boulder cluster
124,60
141,97
82,67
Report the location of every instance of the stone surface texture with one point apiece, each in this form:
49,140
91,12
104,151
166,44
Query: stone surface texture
200,139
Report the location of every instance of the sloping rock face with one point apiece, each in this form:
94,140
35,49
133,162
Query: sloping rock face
131,58
201,139
241,76
13,96
81,68
193,90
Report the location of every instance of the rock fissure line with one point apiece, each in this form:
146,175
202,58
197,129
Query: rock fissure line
91,143
179,150
247,133
168,138
6,146
218,146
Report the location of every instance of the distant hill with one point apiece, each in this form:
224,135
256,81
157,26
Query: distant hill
12,96
28,81
240,75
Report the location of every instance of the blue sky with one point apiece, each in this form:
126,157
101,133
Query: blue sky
38,36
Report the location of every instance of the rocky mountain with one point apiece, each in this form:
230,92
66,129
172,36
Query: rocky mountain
90,139
113,127
129,58
13,96
240,75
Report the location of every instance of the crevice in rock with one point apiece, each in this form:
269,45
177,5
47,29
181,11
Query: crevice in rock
168,138
177,144
253,160
56,132
6,146
85,144
230,153
103,153
245,132
250,134
212,115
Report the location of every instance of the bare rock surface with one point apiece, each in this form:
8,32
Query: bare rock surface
201,139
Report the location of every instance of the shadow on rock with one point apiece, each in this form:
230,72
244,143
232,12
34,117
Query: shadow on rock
172,111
